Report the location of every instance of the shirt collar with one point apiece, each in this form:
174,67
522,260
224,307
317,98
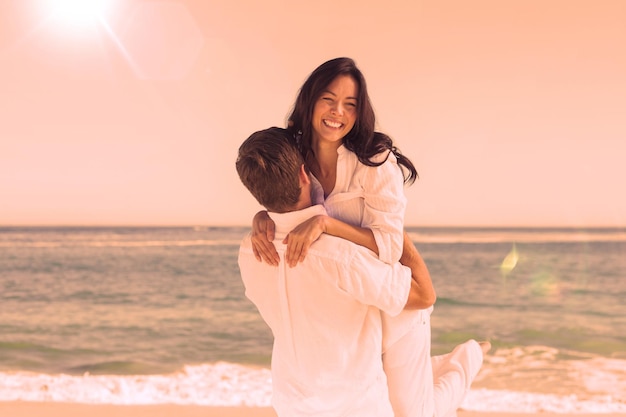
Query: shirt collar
286,222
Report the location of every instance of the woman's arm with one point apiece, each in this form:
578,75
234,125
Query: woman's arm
422,294
384,206
300,239
380,214
262,235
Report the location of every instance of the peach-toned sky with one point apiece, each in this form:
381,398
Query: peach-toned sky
514,111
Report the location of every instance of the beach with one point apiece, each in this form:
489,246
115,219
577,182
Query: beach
26,409
154,321
29,409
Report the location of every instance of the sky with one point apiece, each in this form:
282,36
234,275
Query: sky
131,112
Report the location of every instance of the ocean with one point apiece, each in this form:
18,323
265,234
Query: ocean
149,315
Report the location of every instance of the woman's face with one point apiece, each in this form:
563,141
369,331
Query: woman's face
334,113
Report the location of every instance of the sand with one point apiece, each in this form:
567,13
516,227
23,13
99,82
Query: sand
32,409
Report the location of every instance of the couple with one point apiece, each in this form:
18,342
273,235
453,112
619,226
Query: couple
345,292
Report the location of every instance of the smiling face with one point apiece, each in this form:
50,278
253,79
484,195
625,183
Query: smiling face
335,111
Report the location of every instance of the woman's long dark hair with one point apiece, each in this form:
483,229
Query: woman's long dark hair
363,140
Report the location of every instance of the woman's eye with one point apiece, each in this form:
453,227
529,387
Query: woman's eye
351,104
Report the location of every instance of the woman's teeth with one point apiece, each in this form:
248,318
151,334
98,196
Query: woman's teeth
332,124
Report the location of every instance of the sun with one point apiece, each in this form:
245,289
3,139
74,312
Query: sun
76,14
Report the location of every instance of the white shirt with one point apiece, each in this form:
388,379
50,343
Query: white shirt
372,197
325,317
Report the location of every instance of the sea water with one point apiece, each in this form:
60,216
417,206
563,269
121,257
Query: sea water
135,315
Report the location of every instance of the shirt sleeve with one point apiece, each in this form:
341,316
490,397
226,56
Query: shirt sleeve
376,283
385,206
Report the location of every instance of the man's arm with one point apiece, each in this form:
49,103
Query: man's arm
422,293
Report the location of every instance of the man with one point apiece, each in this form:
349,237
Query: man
324,313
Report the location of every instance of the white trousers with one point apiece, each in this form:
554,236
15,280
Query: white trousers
421,386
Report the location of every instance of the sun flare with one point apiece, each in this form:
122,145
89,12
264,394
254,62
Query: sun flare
73,14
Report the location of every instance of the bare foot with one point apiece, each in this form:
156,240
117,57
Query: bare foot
485,346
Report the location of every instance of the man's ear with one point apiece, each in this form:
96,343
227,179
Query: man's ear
303,176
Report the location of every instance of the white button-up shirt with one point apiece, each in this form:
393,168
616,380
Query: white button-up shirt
325,317
372,197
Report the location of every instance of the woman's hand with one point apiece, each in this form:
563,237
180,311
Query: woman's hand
300,238
262,236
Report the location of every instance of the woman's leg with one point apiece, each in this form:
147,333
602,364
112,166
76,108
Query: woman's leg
453,374
423,386
408,367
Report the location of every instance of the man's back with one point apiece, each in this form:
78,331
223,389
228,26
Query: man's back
325,317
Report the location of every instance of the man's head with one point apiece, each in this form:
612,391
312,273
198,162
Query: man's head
272,169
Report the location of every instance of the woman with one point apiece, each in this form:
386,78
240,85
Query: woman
333,124
358,175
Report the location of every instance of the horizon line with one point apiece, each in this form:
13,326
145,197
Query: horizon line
201,225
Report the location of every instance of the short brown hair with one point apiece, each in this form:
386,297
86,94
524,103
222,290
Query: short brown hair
268,165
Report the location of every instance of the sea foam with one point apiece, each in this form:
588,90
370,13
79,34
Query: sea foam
227,384
526,402
220,384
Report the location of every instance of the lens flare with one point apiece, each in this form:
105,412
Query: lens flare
510,262
546,285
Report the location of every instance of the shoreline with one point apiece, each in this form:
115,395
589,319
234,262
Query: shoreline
53,409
